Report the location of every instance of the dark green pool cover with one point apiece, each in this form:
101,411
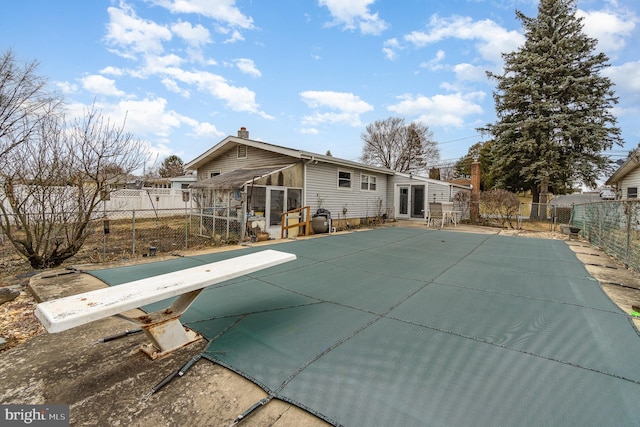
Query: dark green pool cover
412,327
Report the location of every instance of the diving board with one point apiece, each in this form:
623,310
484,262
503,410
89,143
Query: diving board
163,327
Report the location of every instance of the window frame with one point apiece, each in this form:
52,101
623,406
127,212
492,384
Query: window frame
371,181
350,180
632,194
246,151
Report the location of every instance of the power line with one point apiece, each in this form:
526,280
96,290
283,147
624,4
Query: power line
456,140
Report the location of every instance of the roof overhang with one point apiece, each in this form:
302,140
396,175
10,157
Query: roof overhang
630,164
237,178
431,180
296,154
223,145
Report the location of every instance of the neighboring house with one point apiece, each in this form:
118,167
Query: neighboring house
182,182
270,180
626,179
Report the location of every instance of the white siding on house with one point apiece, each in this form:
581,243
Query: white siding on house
229,161
632,179
438,191
322,191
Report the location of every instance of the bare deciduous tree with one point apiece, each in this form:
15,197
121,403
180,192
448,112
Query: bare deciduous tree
24,101
52,186
395,145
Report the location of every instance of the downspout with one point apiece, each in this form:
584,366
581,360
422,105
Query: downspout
304,179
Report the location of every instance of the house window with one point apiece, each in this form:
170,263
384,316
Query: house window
344,179
212,174
632,192
368,182
242,151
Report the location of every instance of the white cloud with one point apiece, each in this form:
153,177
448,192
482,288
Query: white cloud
468,72
309,131
101,85
247,67
625,76
610,29
150,117
112,71
66,87
435,64
236,36
155,64
144,117
194,36
206,130
172,86
236,98
354,14
492,38
346,107
131,35
440,110
224,11
390,48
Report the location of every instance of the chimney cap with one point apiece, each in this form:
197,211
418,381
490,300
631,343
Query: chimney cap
243,133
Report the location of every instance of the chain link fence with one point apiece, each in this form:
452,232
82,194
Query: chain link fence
526,216
124,234
613,226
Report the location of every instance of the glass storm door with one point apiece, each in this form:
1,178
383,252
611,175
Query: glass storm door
403,208
417,201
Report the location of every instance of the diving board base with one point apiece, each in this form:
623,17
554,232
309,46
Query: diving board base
166,338
164,329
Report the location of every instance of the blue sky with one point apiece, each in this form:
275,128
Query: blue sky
307,74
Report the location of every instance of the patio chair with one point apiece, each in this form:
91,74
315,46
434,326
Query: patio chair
435,214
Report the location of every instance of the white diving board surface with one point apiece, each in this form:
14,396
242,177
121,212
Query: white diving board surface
161,326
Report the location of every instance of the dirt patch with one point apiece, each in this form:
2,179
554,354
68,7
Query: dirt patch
17,322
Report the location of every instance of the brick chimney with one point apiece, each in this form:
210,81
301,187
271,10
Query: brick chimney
475,191
243,133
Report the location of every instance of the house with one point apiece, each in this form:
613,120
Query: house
182,182
269,180
626,179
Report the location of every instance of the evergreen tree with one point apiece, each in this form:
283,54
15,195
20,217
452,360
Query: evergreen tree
553,107
481,152
171,167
